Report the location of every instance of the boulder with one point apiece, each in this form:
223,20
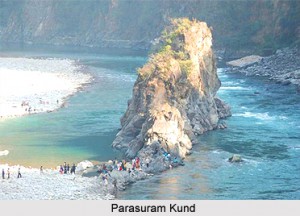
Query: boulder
235,158
245,61
83,165
4,153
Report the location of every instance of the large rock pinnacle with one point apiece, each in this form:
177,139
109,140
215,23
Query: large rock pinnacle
174,95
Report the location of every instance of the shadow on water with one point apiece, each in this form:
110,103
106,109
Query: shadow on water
66,51
97,145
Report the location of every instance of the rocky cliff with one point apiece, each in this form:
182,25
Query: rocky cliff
174,95
238,25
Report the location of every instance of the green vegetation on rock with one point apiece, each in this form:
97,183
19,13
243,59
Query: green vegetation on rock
170,47
186,66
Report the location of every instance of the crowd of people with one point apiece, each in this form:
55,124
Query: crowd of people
132,166
172,162
104,169
65,169
126,166
26,105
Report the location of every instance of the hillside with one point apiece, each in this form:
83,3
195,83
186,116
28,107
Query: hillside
262,25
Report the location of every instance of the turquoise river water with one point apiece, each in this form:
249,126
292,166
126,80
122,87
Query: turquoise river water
264,130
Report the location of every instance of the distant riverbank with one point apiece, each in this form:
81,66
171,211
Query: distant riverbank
283,67
29,86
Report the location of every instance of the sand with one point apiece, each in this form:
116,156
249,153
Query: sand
29,86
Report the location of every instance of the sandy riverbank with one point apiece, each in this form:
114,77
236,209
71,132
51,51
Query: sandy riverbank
30,86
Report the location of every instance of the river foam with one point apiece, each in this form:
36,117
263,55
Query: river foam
260,116
239,88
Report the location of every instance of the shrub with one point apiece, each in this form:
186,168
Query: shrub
186,66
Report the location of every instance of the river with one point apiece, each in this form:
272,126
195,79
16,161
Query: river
264,130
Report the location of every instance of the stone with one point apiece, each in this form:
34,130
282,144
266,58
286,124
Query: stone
285,82
222,125
83,165
283,67
4,153
246,61
223,109
235,158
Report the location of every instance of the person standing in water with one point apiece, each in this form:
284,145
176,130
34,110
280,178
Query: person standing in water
41,170
3,174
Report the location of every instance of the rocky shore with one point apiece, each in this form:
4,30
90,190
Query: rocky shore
283,67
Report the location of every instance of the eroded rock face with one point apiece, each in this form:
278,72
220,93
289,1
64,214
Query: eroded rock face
174,95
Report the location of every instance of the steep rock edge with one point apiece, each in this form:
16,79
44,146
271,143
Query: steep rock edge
173,97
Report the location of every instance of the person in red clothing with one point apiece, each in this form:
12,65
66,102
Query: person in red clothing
137,162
